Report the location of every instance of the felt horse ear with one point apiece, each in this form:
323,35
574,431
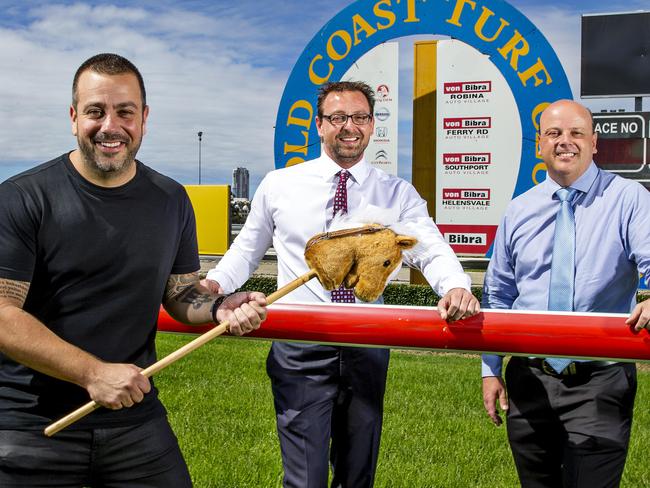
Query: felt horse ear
405,242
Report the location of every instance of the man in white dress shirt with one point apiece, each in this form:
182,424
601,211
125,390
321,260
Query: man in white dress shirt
325,393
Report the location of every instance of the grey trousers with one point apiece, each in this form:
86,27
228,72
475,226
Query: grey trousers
323,394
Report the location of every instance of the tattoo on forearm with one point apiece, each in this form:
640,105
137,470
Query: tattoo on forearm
192,296
14,290
177,283
181,288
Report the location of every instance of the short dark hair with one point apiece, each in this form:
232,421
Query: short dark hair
345,86
108,64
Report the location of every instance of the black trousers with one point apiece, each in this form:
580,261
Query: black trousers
140,456
324,393
570,431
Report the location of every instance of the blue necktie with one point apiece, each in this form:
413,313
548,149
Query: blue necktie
560,294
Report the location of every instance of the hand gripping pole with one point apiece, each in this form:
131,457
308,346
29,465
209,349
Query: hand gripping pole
179,353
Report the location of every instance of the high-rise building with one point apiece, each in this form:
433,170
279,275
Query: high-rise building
240,183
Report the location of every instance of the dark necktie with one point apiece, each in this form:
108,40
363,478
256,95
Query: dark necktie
560,293
342,295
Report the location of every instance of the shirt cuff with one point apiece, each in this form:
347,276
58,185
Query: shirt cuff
491,365
457,280
222,279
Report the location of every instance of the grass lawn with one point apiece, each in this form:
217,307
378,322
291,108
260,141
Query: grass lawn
436,433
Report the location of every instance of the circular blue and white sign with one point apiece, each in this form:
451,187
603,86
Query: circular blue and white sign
495,28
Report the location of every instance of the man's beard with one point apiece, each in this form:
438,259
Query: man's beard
104,165
345,153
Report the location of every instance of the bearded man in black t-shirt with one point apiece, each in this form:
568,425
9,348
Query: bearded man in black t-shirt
92,243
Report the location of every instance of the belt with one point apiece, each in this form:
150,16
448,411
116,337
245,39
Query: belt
575,368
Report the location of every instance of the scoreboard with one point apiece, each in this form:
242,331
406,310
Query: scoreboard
624,144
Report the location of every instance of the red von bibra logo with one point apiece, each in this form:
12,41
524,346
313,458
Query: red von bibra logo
467,87
450,123
469,239
466,158
466,194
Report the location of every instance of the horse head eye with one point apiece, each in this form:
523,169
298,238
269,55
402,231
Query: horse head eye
387,263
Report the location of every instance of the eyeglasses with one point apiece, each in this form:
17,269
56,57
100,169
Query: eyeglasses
342,119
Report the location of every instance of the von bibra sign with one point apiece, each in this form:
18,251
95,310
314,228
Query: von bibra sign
516,47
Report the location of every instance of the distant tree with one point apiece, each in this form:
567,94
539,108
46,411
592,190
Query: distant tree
239,209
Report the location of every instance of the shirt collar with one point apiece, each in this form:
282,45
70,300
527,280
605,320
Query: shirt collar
582,184
328,169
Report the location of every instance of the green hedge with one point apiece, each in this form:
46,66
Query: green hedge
266,285
395,294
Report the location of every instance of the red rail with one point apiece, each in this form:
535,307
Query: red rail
601,336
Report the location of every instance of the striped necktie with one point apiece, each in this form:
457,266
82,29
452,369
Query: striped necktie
561,289
342,294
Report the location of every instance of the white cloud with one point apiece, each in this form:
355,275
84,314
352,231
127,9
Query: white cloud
218,67
193,83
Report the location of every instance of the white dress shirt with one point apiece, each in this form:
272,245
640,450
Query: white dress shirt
293,204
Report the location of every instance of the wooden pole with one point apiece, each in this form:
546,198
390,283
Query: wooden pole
91,406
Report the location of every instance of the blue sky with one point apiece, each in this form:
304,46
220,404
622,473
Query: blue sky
213,66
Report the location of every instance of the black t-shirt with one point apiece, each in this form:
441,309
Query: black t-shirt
98,260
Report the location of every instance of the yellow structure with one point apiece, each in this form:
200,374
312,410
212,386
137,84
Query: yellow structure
424,129
424,122
212,209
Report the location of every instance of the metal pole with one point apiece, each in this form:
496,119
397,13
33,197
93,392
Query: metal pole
200,134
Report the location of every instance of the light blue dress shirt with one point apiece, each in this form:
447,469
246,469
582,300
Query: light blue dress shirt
612,217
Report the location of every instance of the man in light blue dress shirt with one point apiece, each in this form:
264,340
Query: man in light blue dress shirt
569,429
